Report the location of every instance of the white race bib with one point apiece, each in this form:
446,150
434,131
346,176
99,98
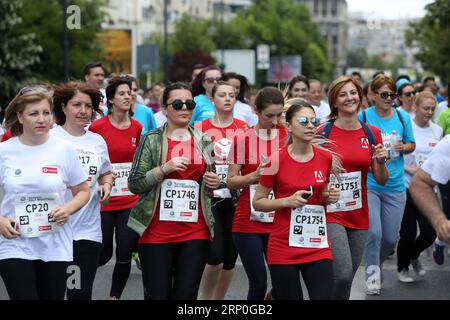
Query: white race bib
351,192
260,216
91,164
308,227
32,214
179,200
222,172
120,186
420,158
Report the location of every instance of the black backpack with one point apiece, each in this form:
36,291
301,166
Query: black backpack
326,130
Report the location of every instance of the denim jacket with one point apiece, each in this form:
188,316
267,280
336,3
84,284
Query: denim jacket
151,153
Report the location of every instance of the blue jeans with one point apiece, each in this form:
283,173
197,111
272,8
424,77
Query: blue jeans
385,218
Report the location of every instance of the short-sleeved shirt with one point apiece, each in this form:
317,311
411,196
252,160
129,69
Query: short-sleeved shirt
396,181
203,110
49,168
356,155
438,163
444,121
122,144
93,155
174,231
291,177
144,115
246,151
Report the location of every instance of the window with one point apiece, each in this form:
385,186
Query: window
316,7
334,7
324,8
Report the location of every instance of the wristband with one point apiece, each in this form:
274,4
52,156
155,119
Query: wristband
382,161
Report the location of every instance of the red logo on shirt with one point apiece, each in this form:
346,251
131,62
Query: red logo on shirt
432,144
186,214
365,143
51,170
45,228
319,176
315,240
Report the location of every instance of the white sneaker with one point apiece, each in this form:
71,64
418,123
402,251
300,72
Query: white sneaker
404,276
373,287
417,267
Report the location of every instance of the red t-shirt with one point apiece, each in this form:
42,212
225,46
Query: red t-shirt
121,147
222,137
291,177
6,136
173,231
246,151
356,155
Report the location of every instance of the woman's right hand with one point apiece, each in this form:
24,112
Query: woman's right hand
296,200
176,164
6,228
258,172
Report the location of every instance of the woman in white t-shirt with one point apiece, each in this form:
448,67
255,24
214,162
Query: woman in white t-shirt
75,105
36,171
427,135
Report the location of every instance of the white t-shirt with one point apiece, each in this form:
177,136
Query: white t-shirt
49,168
438,163
322,111
160,118
426,141
86,223
243,111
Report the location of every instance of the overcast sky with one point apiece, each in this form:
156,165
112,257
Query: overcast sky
389,9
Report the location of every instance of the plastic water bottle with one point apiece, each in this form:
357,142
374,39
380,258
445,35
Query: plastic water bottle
395,139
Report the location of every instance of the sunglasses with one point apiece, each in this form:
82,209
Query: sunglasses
303,121
212,80
178,104
25,90
386,95
409,94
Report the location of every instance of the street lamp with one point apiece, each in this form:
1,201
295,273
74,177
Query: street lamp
165,54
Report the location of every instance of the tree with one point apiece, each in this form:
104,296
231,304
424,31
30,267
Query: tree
45,18
17,53
357,58
288,28
431,36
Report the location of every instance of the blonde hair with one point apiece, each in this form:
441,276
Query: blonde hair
422,96
18,104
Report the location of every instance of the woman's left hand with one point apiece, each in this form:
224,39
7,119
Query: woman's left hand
211,179
105,193
380,153
332,194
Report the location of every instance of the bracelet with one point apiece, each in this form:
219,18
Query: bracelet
382,161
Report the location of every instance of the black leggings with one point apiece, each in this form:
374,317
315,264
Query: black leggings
34,279
252,248
86,255
409,247
172,271
318,277
222,248
126,244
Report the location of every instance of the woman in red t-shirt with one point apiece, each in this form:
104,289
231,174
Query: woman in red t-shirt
122,135
222,128
248,155
348,219
298,175
173,173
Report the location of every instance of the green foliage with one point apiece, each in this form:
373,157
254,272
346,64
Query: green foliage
431,35
288,28
18,53
45,18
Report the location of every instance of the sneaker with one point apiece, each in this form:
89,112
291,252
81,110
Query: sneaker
438,254
135,257
417,267
373,287
404,276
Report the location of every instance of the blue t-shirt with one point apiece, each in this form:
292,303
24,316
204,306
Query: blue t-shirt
396,182
144,115
203,110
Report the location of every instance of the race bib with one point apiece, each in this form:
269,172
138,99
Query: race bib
91,164
420,158
351,192
308,227
260,216
179,200
222,172
120,185
32,214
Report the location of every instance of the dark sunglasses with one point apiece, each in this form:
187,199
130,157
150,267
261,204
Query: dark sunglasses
178,104
409,94
386,95
303,121
212,80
